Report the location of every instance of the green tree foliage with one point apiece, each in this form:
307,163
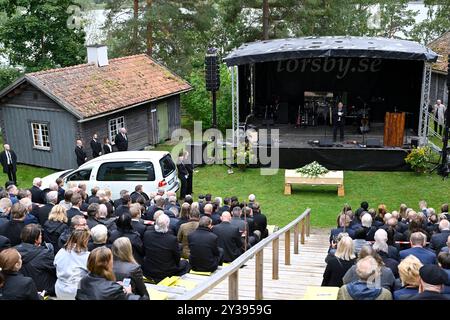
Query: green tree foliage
436,24
198,103
35,35
7,76
181,30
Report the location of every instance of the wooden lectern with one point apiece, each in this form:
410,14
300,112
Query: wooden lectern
394,129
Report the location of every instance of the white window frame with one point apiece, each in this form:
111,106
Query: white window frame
43,140
116,124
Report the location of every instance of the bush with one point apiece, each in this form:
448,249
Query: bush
198,103
419,158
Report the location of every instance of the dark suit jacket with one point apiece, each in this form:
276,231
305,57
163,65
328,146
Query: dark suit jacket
37,196
139,227
162,254
37,263
4,161
12,230
121,142
133,271
428,295
93,287
135,239
96,147
81,155
44,211
439,240
229,239
106,149
425,256
336,116
18,287
72,212
204,250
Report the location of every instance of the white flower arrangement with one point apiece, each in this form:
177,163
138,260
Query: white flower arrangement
313,170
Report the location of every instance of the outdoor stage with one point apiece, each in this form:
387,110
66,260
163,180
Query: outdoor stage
300,146
295,85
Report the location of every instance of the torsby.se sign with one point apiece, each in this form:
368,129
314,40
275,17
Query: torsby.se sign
340,66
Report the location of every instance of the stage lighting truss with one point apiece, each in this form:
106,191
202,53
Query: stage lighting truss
424,102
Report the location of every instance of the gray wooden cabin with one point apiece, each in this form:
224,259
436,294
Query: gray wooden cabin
43,114
439,89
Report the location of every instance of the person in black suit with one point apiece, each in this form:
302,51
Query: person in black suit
439,240
125,229
162,253
136,221
432,281
229,238
13,285
260,221
37,259
13,227
37,196
107,147
8,159
121,140
44,211
205,255
339,121
76,200
80,153
183,175
96,146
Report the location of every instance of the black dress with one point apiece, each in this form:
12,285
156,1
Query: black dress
335,271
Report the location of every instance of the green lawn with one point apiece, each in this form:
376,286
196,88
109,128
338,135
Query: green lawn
391,188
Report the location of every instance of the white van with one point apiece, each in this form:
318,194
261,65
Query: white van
123,170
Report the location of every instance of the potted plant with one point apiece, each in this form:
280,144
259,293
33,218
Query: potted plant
419,159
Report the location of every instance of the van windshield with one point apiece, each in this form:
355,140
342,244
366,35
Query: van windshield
167,165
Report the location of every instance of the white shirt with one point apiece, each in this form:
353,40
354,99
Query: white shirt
8,157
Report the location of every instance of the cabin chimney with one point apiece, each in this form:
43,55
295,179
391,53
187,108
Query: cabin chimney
98,55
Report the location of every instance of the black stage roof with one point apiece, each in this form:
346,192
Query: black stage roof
322,47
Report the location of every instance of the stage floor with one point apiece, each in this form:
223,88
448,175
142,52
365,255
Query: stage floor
303,137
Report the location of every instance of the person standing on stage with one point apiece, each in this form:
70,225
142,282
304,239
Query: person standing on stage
8,159
439,110
339,121
80,153
96,146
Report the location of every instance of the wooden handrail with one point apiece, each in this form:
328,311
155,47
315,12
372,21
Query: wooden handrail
232,270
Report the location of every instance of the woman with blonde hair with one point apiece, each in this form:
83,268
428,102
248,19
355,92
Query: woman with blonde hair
100,283
409,276
55,226
337,266
125,266
71,263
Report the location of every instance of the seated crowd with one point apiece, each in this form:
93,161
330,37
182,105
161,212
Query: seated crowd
66,244
381,255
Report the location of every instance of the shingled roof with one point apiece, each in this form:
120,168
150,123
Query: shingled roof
87,90
442,47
